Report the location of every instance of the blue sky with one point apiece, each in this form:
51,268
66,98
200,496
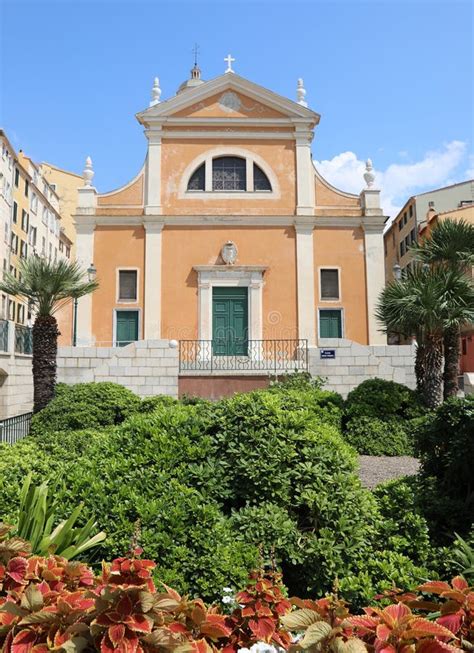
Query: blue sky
392,79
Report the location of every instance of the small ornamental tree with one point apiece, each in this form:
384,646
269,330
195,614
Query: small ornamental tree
47,286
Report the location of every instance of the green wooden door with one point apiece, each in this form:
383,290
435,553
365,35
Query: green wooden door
330,324
230,321
126,327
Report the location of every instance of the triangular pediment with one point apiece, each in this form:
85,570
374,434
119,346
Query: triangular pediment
228,96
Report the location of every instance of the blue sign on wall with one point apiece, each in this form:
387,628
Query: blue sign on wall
327,353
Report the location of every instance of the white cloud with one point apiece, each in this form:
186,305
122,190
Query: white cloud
399,180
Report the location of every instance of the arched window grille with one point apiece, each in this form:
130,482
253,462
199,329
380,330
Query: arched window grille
197,179
260,179
229,173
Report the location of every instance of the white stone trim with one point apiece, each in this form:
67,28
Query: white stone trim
85,256
250,277
153,277
304,174
152,186
224,82
375,277
202,220
193,134
305,282
231,150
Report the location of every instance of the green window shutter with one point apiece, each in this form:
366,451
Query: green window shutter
330,323
126,327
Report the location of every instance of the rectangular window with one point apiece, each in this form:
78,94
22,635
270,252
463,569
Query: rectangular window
23,249
43,246
407,242
127,285
413,235
45,215
34,202
27,187
25,219
330,323
14,244
17,177
329,284
11,309
15,212
126,327
402,248
21,314
411,211
32,239
400,225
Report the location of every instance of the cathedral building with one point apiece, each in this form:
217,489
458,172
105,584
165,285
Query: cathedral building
228,234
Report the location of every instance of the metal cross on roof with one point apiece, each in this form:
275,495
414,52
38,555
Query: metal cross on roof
229,60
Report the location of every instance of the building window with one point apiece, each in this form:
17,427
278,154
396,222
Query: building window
413,235
45,215
34,202
402,248
11,309
23,249
400,224
329,284
260,180
24,220
68,251
21,313
197,180
15,212
32,238
330,323
127,286
50,251
43,246
17,177
14,244
27,187
229,173
411,211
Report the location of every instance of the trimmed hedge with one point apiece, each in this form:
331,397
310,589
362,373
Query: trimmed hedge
374,437
213,485
384,400
85,405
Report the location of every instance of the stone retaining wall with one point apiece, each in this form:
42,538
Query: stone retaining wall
354,363
148,367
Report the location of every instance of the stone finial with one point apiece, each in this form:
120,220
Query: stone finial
301,93
369,175
88,172
155,92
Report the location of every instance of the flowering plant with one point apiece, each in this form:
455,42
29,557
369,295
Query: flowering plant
48,603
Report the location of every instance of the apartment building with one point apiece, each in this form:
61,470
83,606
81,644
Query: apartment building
7,171
412,219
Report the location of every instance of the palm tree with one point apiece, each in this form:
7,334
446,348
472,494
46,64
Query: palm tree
424,304
450,245
46,286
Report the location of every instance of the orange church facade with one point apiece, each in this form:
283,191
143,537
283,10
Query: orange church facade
229,228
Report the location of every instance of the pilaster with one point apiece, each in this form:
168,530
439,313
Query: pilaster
373,224
153,173
304,171
305,281
85,226
152,322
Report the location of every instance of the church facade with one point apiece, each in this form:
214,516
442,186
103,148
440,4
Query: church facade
228,234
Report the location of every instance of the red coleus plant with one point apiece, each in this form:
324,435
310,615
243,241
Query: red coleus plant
50,604
258,619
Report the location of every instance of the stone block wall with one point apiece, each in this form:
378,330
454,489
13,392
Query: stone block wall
16,385
147,367
354,363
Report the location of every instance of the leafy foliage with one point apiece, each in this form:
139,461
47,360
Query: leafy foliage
48,603
383,400
37,524
85,405
375,437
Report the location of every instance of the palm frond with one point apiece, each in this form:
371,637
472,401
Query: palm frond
451,242
46,284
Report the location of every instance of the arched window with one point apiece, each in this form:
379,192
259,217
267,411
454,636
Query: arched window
260,179
197,179
229,173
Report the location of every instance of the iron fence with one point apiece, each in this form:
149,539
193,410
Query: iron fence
272,356
15,428
3,335
23,339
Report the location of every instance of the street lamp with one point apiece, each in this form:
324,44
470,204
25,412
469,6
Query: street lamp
397,272
92,274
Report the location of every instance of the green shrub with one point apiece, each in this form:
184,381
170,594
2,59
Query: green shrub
211,483
385,400
325,405
374,437
85,405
